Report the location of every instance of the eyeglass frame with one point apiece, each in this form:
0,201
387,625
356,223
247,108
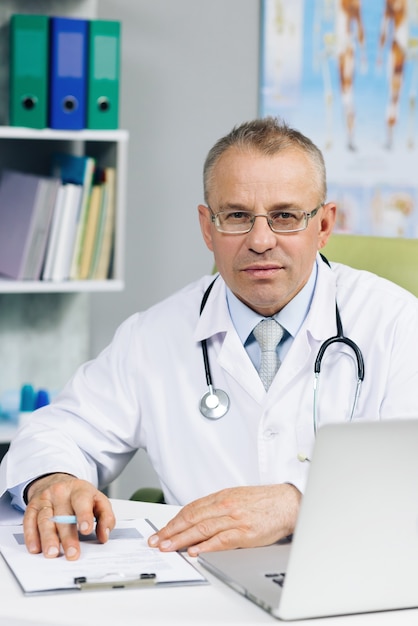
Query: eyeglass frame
307,216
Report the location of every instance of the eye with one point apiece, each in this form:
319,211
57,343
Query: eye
285,216
236,216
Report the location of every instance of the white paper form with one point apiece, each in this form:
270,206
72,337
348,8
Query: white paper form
124,558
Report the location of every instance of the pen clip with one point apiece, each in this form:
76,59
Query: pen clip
109,581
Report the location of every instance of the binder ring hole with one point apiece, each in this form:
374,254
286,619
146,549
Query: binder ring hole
29,102
103,104
69,104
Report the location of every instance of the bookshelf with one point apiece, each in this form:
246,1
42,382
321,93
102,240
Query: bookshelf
45,326
29,150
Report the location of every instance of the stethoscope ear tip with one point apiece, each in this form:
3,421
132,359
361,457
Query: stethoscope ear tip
303,457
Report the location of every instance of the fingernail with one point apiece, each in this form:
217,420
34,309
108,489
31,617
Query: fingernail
71,552
33,548
52,551
107,531
165,544
153,541
84,526
193,551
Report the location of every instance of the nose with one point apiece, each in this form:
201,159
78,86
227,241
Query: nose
261,238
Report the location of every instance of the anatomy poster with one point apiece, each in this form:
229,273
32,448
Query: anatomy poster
345,73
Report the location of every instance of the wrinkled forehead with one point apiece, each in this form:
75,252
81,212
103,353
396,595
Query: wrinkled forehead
250,172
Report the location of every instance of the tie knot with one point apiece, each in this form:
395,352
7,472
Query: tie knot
268,333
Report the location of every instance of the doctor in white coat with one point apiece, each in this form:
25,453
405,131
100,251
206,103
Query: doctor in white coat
240,476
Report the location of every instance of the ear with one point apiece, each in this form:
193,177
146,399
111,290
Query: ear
206,225
326,223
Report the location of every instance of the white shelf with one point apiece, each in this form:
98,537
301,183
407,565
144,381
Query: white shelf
30,150
19,132
68,286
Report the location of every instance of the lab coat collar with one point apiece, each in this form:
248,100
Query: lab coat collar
215,317
231,356
321,321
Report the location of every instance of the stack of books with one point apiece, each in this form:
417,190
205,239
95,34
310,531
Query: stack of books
58,227
64,72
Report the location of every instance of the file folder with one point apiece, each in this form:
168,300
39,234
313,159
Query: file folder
104,70
29,59
68,77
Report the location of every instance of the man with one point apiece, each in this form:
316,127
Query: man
240,476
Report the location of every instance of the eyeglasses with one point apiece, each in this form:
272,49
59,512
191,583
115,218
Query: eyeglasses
280,221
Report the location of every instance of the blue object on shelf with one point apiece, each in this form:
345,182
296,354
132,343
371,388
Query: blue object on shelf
42,398
27,398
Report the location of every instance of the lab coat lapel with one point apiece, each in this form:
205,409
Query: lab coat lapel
232,357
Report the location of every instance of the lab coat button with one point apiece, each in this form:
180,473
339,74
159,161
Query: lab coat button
269,434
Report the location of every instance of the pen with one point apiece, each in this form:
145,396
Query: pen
64,519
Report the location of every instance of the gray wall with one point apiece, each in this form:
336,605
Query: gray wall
189,73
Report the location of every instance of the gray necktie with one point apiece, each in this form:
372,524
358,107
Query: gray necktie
268,334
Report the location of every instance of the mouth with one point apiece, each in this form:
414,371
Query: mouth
262,271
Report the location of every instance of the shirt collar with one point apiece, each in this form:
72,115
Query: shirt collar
291,317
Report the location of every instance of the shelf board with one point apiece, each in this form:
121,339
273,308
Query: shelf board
18,132
39,286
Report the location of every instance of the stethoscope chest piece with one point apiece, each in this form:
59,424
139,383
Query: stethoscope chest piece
214,404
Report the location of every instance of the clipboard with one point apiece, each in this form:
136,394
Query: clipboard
124,562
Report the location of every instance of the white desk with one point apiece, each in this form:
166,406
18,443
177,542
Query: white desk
202,605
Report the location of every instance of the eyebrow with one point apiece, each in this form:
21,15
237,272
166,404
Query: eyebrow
279,206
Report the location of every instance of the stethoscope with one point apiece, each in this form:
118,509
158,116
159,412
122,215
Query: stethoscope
215,402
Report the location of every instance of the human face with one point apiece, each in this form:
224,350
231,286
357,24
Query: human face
265,270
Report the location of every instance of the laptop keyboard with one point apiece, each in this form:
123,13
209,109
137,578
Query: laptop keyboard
277,578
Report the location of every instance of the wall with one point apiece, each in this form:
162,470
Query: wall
190,72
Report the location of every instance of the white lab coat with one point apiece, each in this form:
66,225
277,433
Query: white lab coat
144,391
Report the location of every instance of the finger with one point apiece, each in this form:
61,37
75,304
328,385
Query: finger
194,535
42,534
225,540
105,517
173,535
68,536
52,534
190,515
30,530
93,511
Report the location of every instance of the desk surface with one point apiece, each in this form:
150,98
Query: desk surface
204,605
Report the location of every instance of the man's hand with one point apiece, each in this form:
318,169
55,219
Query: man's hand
63,494
241,517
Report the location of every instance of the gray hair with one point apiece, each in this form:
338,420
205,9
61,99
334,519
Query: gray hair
268,136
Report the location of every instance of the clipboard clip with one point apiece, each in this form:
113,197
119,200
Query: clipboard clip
115,581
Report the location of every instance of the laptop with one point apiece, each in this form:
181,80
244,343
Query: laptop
355,546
